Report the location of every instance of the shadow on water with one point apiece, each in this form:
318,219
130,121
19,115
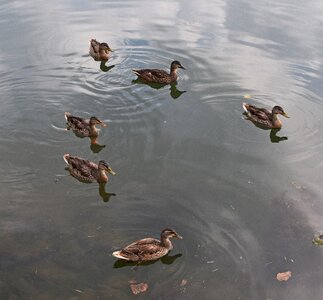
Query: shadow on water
103,194
274,138
174,92
96,148
105,68
166,260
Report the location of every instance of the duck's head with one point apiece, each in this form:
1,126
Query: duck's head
105,47
278,110
170,233
96,121
176,65
103,165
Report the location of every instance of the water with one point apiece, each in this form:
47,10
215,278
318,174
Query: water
247,201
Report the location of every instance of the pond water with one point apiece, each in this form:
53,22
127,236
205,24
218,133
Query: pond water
247,201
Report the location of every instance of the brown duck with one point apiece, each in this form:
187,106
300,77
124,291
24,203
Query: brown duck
87,171
264,117
159,76
84,127
148,248
99,51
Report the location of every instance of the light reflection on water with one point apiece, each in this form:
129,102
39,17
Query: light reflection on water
246,200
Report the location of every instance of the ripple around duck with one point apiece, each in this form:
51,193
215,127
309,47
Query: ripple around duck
114,90
215,240
202,245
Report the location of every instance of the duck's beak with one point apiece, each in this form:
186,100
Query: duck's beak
179,237
111,171
102,124
285,115
182,67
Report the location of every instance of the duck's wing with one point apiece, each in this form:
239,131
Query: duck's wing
78,125
94,46
151,74
257,113
147,245
82,169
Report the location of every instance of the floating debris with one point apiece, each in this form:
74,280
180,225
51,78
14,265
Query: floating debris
284,276
79,291
298,186
247,96
318,239
183,282
138,288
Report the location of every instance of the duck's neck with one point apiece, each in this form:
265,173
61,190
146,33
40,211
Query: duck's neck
166,243
173,73
102,176
276,122
94,133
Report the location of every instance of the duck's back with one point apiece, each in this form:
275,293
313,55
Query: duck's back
83,170
154,75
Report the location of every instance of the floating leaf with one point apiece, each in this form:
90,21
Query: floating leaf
183,282
138,288
318,239
284,276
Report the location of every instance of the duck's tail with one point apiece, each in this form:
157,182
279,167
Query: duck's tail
66,158
92,41
67,114
246,108
137,72
117,254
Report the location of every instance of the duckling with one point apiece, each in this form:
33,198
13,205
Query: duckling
148,248
99,51
159,76
84,127
264,117
87,171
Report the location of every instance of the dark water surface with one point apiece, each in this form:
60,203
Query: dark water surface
246,201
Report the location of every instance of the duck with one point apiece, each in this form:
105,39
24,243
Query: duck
148,249
87,171
264,117
159,76
99,51
84,127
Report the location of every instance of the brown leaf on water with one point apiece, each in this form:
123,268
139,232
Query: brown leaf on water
284,276
138,288
183,282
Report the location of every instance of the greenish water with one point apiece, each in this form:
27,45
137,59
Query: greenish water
247,201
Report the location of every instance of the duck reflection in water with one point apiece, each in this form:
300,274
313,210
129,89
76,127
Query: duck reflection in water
104,67
166,260
85,128
276,139
173,91
103,194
